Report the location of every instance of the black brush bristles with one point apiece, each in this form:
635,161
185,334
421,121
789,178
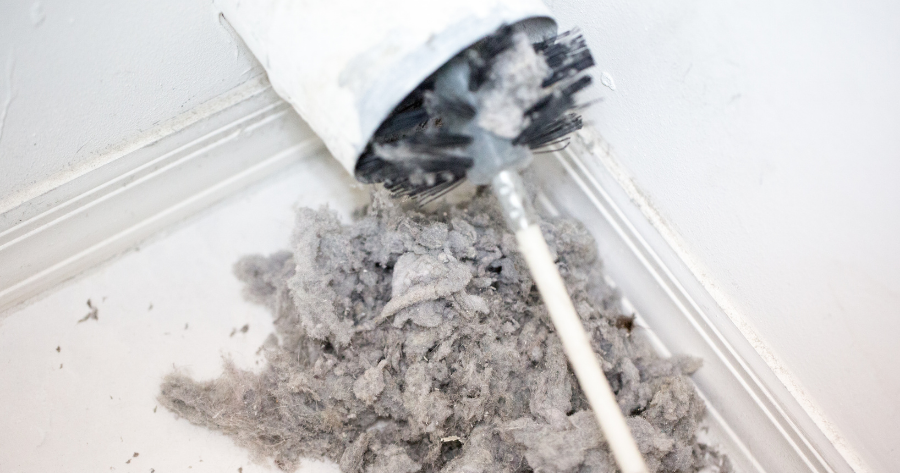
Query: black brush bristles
395,126
419,178
552,117
567,54
415,151
482,54
445,107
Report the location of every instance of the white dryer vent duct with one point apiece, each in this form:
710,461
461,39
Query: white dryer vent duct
345,64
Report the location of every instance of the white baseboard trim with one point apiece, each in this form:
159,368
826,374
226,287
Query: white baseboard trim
764,426
241,138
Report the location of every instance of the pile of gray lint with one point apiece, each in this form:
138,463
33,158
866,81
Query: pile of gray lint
411,341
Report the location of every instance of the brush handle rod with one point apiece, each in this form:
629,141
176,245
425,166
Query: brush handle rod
578,349
575,340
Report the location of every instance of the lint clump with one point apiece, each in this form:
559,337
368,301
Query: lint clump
413,341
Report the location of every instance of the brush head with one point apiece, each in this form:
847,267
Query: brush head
480,114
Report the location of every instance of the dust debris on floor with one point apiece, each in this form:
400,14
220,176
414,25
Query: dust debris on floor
243,329
92,315
413,341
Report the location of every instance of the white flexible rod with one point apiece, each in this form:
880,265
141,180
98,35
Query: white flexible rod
576,344
578,348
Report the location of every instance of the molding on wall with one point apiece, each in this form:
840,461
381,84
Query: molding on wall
168,174
765,425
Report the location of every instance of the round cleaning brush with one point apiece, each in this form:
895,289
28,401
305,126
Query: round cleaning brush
420,96
480,114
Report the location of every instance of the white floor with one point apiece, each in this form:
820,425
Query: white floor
80,397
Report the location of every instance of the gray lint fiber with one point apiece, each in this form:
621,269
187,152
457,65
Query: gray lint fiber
413,341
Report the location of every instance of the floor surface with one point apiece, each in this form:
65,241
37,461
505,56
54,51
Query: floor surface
80,396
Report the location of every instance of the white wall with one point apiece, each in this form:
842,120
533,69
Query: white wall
80,78
767,134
